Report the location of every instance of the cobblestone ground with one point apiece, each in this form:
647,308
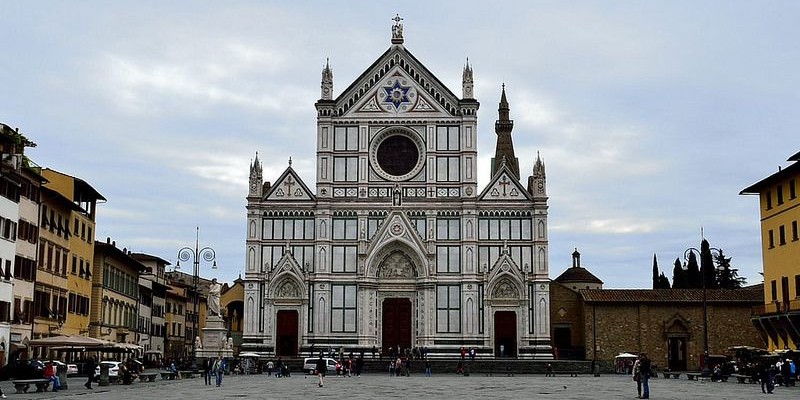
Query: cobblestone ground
371,386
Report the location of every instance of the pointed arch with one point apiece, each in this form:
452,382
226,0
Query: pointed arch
251,259
540,231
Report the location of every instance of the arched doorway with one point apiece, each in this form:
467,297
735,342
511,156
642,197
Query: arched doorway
677,333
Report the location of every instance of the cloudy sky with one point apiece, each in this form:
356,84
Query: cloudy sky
650,116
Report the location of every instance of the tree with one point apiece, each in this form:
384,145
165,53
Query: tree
727,277
707,269
679,276
663,282
655,273
693,278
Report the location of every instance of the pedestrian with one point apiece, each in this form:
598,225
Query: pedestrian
321,368
219,369
407,366
427,367
270,366
637,376
644,371
548,371
50,374
207,364
89,368
391,368
398,367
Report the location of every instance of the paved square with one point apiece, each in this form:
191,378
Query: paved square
372,386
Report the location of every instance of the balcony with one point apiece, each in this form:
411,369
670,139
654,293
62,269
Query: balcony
777,307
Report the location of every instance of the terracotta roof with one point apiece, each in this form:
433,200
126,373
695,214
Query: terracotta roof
578,274
754,294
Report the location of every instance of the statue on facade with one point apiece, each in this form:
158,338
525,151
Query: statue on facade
214,291
197,343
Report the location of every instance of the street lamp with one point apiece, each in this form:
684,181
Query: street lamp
186,254
705,299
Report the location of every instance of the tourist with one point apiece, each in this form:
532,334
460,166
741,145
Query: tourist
398,367
548,371
207,365
270,366
321,368
637,376
50,374
89,367
644,370
278,368
427,367
219,370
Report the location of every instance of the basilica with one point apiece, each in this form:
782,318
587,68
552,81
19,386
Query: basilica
397,245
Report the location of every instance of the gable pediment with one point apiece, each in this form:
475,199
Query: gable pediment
397,83
504,187
289,187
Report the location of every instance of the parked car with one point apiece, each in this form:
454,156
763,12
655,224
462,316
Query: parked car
310,365
72,369
113,369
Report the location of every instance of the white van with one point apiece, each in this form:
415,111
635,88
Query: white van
310,365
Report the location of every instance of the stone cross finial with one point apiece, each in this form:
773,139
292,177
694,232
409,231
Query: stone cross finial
397,30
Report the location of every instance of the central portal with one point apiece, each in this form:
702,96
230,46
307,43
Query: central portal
396,323
505,334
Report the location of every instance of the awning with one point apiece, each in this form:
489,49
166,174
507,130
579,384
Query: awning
67,341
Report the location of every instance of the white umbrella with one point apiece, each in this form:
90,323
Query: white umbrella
249,355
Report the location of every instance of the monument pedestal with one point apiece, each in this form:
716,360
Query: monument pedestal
214,344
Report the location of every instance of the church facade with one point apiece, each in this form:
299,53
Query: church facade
397,245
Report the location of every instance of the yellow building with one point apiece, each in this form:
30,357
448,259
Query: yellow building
50,287
779,319
80,228
115,294
175,321
232,306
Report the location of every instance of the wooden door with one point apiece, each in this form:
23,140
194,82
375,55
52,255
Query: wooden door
396,323
286,335
505,334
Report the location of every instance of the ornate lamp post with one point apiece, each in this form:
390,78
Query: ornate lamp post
186,254
705,300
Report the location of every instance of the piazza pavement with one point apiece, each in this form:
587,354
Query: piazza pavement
381,386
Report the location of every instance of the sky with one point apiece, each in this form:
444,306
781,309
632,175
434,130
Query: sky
651,117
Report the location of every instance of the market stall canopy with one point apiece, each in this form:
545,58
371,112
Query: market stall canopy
67,341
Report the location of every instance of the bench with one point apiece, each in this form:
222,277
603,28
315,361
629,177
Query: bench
693,375
22,385
185,374
743,378
673,375
147,377
168,375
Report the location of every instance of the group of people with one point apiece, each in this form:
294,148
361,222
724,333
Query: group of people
214,369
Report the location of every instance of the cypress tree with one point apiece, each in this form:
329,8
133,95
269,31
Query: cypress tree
693,277
656,280
709,277
678,276
663,282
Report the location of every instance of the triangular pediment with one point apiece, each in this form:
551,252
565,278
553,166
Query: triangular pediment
397,83
504,187
286,278
396,230
289,187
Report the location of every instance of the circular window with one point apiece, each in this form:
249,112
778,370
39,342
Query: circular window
396,154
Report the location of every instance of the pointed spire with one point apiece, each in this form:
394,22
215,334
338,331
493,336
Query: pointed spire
326,92
505,145
466,82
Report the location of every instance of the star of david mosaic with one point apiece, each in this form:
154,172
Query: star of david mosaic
397,94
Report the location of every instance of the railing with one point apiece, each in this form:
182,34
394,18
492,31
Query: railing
776,307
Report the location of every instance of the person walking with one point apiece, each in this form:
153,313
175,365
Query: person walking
321,368
637,376
207,370
219,370
644,371
427,367
89,368
270,366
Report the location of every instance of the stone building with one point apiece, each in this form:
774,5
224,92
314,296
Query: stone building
397,245
667,324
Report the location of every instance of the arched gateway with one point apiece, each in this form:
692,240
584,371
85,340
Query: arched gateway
398,245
